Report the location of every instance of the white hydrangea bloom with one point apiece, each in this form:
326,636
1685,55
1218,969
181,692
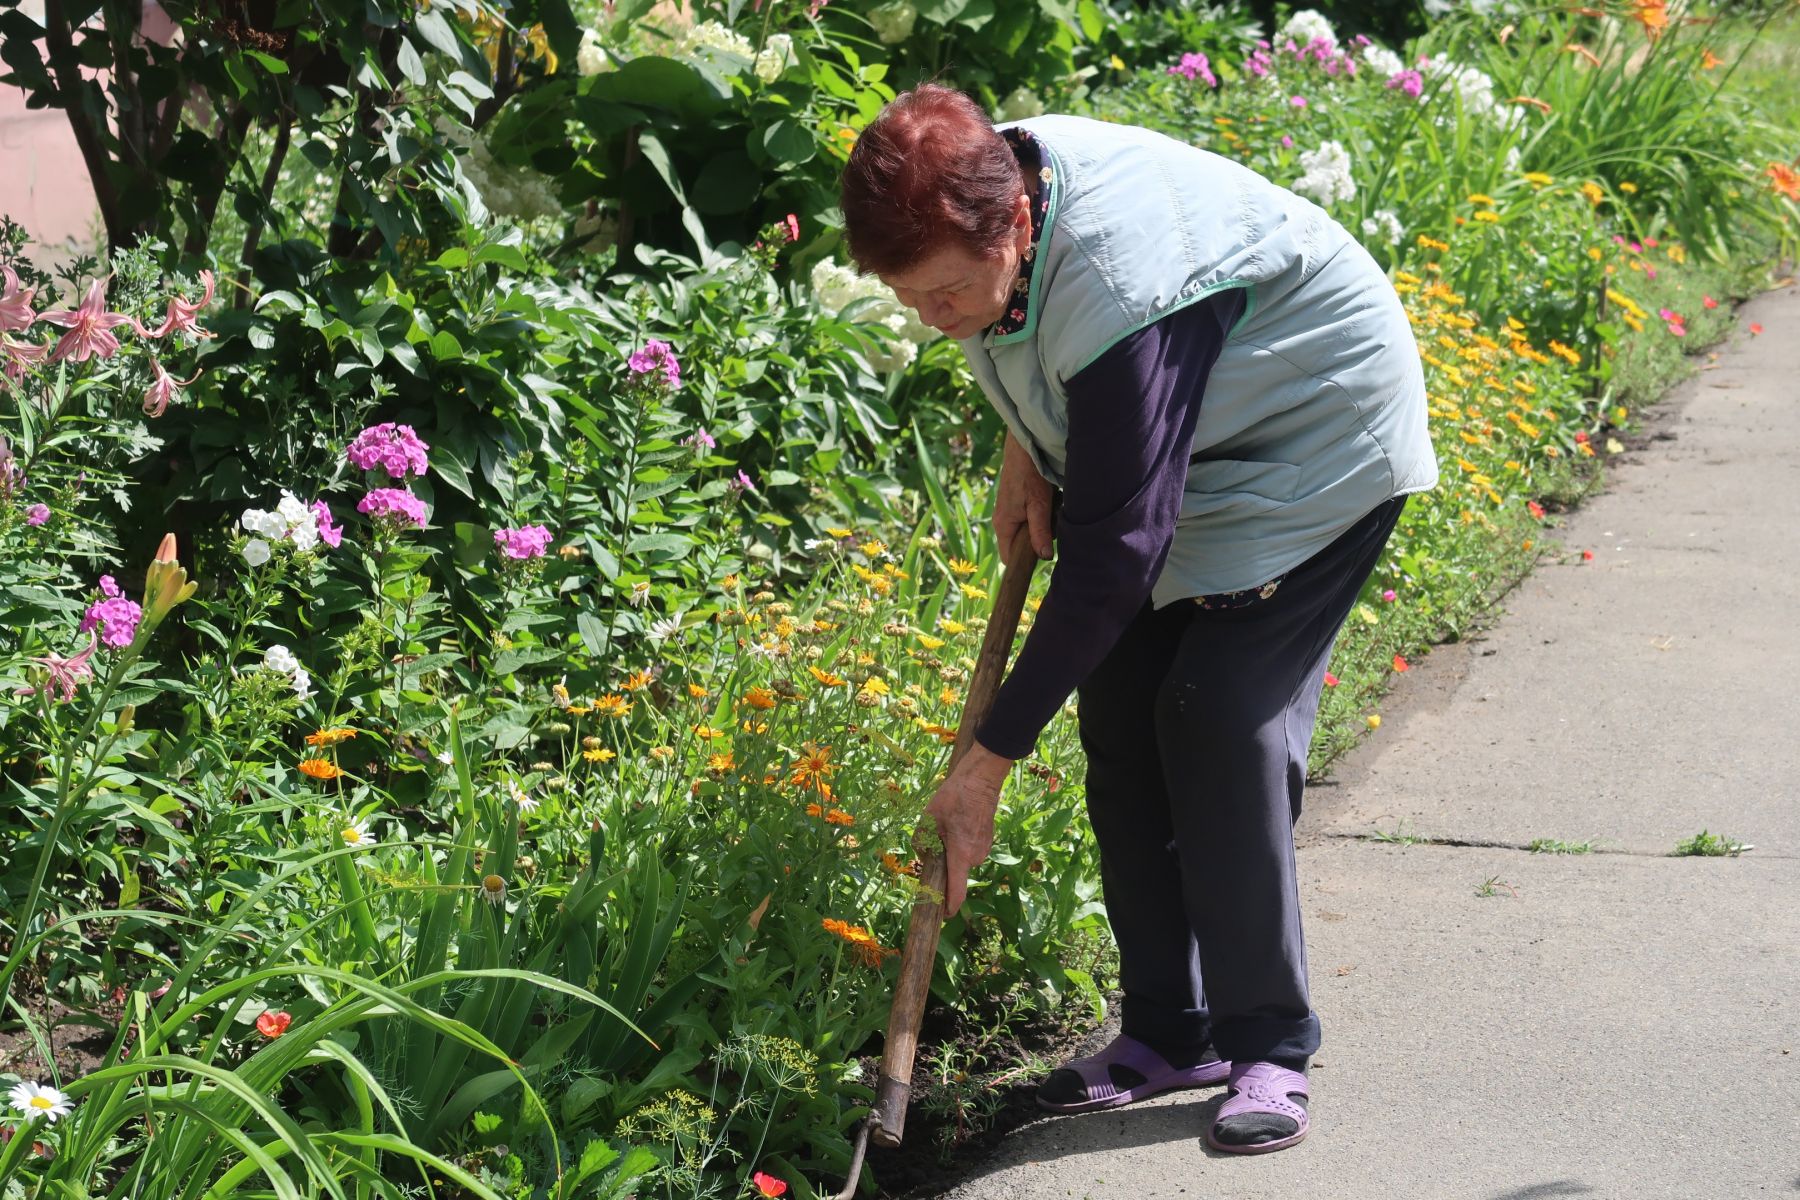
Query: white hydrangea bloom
1307,25
837,287
711,35
1020,104
1383,61
280,659
893,22
1327,178
256,552
592,58
777,56
1384,223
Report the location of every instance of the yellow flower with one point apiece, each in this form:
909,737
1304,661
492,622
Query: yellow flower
962,567
599,756
873,548
1595,253
612,705
1117,63
826,678
329,737
1565,353
696,691
637,680
1374,721
931,643
1594,192
973,592
707,733
875,684
580,710
1625,185
813,767
951,627
662,753
720,763
1479,198
729,583
948,697
837,533
1492,218
1538,179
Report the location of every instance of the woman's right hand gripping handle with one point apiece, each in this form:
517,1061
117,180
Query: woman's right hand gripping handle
1022,498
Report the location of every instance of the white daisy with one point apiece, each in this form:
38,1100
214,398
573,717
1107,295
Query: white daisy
355,832
36,1100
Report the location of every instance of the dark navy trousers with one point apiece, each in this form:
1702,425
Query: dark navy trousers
1196,728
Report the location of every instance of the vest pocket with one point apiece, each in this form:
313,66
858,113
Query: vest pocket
1219,483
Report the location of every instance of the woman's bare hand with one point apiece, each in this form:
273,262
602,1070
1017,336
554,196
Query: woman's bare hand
1022,498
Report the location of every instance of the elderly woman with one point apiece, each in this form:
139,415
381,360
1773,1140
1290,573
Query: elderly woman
1225,389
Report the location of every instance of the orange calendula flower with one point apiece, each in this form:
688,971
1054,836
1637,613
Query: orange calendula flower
760,697
696,691
1784,179
892,862
319,768
867,948
612,705
707,733
329,737
1594,192
837,816
638,680
813,767
720,763
826,678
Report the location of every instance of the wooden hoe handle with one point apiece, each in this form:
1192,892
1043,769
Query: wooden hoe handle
888,1119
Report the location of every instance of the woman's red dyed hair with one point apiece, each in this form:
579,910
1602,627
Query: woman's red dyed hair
929,169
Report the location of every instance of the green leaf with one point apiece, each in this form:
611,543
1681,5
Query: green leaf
593,633
410,65
662,83
675,545
1092,23
788,142
269,63
432,26
445,347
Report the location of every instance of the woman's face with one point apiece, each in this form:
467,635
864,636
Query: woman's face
959,293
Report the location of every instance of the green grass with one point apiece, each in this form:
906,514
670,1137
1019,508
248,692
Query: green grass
1493,885
1710,845
1399,837
1555,846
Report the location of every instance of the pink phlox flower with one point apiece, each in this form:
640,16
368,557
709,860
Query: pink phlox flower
1390,596
396,449
793,227
163,389
90,326
742,483
64,673
656,357
1410,82
812,9
1260,62
1634,247
1297,101
700,438
180,315
395,506
527,541
332,535
37,514
15,302
1195,66
1650,272
1287,141
114,614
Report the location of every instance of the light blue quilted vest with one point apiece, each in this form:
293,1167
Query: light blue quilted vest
1315,412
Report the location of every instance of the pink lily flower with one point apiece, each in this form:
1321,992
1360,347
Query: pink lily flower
163,389
181,314
16,356
89,326
15,303
65,673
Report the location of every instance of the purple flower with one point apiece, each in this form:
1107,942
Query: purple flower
37,514
1297,101
396,449
741,483
1195,66
656,359
332,535
1287,142
700,438
393,506
116,616
1410,82
1261,62
1390,595
527,541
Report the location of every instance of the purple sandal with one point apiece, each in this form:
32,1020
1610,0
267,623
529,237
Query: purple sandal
1140,1072
1262,1097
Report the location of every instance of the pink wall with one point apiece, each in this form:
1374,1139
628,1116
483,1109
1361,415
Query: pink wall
43,182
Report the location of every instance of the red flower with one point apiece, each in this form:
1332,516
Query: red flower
273,1024
1587,556
1755,328
1536,509
768,1185
1330,679
1400,664
1581,436
793,227
1708,302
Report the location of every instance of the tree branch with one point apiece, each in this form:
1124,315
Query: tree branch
206,201
72,89
271,176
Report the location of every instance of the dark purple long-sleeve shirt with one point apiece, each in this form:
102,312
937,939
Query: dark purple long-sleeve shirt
1131,423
